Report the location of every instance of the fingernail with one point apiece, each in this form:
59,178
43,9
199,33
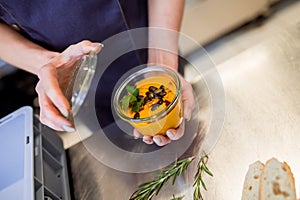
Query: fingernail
65,113
149,141
157,140
68,128
98,45
170,134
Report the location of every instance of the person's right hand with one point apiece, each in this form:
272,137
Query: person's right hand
54,77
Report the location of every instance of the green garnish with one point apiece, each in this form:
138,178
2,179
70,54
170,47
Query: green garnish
131,99
150,189
132,90
177,198
198,179
136,106
127,100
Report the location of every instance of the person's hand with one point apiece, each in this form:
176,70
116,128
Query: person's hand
174,134
54,77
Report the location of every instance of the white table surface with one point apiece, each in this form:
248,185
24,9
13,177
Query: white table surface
262,88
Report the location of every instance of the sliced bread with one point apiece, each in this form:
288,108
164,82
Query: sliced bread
277,182
252,181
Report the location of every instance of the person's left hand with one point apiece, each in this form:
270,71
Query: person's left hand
174,134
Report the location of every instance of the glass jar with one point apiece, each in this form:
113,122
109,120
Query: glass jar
152,120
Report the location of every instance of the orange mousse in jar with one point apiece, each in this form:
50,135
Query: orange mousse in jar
153,103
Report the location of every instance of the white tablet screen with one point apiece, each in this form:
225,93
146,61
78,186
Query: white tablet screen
16,179
12,152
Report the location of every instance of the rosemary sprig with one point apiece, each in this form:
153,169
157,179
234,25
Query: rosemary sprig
147,190
198,179
177,198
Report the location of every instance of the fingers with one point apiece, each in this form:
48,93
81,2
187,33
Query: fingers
76,51
161,140
81,48
187,99
49,86
52,101
175,134
136,134
172,134
50,116
148,139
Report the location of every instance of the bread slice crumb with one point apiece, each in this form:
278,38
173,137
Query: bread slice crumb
277,182
252,181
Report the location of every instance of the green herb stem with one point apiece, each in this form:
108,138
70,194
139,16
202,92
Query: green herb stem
149,189
177,198
198,179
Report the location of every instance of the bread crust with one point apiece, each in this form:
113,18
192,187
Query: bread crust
277,182
272,181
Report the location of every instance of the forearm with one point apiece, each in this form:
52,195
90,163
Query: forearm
167,16
20,52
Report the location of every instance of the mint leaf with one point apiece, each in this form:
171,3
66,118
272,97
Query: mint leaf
125,102
136,106
132,90
132,99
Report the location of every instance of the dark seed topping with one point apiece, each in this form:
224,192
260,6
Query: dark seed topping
146,99
154,107
158,91
150,95
136,115
157,96
152,88
160,102
140,97
167,102
162,94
